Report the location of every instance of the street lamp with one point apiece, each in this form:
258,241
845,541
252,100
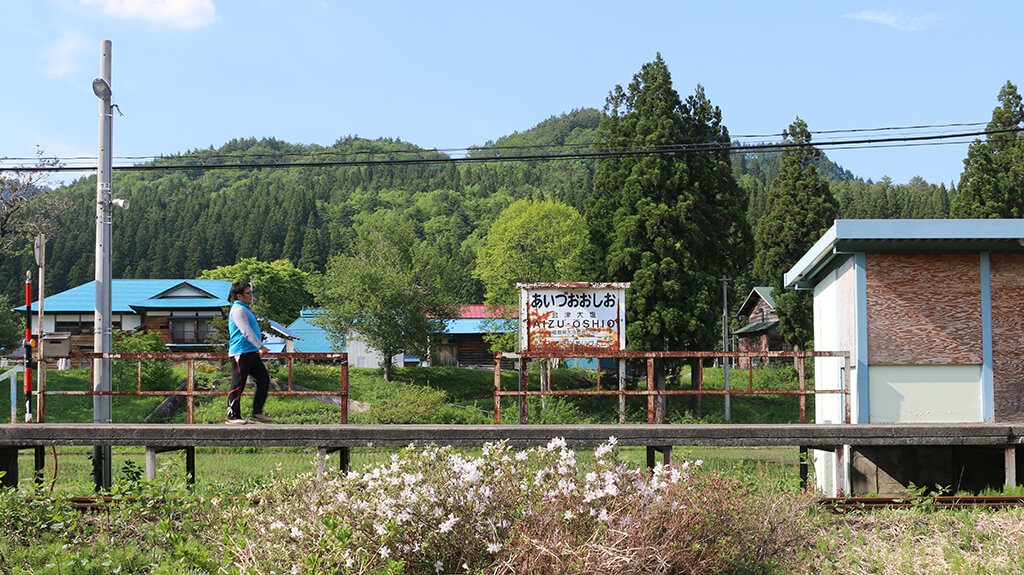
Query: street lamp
101,412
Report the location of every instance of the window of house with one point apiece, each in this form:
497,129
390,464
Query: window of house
191,330
74,327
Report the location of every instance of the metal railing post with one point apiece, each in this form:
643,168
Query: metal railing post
344,389
190,388
650,390
524,386
497,388
622,389
802,378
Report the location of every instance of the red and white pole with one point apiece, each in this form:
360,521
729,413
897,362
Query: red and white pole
29,361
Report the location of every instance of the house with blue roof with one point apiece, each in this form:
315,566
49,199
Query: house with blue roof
310,337
180,310
461,345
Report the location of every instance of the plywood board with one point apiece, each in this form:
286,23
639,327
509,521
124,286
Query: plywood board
924,309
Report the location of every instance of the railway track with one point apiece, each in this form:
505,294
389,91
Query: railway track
846,504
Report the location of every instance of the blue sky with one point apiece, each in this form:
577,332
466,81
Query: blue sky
191,74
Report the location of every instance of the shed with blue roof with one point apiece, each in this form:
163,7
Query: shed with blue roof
930,311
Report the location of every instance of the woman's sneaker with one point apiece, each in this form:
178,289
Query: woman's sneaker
261,418
236,421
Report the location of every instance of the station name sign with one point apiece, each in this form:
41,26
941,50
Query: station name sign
572,318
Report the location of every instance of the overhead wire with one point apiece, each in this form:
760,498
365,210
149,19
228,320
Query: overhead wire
586,151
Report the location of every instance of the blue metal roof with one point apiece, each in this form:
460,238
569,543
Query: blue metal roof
177,303
313,338
128,292
281,329
465,326
846,237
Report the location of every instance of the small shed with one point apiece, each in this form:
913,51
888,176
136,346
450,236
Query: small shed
463,342
930,311
761,330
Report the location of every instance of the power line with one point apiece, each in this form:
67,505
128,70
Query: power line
668,149
470,149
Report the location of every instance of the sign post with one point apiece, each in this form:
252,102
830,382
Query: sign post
576,320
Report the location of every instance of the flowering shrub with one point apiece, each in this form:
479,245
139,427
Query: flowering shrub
436,510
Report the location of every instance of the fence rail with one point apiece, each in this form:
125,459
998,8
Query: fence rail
190,392
652,393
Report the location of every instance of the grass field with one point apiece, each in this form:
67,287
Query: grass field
924,539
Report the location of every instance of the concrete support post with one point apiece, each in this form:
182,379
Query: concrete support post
1010,459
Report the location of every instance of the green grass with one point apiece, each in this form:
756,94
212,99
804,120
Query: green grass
437,395
236,470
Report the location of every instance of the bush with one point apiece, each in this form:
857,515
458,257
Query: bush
436,510
156,373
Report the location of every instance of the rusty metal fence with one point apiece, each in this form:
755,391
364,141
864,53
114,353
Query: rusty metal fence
652,393
190,392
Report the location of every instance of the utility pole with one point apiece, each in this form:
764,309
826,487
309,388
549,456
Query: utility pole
104,214
725,344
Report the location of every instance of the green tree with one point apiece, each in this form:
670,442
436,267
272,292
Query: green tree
800,209
389,289
670,224
156,373
543,241
992,185
281,289
12,327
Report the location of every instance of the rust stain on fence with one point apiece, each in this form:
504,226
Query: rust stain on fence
190,392
652,393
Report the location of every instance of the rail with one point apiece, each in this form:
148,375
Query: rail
652,393
190,392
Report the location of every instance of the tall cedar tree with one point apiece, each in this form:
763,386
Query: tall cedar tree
801,208
992,185
671,224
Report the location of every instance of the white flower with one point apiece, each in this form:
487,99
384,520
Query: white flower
556,443
603,515
568,515
277,525
380,529
522,456
448,524
384,552
613,440
296,532
438,567
493,547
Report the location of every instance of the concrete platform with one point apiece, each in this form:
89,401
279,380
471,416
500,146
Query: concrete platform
350,435
158,438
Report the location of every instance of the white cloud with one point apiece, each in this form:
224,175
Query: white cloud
63,56
898,21
183,14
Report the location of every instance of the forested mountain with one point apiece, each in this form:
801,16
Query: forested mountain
184,221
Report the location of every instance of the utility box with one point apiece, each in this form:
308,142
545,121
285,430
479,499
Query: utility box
57,345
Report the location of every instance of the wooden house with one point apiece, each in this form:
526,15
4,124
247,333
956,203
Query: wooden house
760,332
180,310
463,343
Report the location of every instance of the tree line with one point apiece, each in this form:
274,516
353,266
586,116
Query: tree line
670,224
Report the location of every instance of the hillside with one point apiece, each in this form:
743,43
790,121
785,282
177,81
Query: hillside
184,221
